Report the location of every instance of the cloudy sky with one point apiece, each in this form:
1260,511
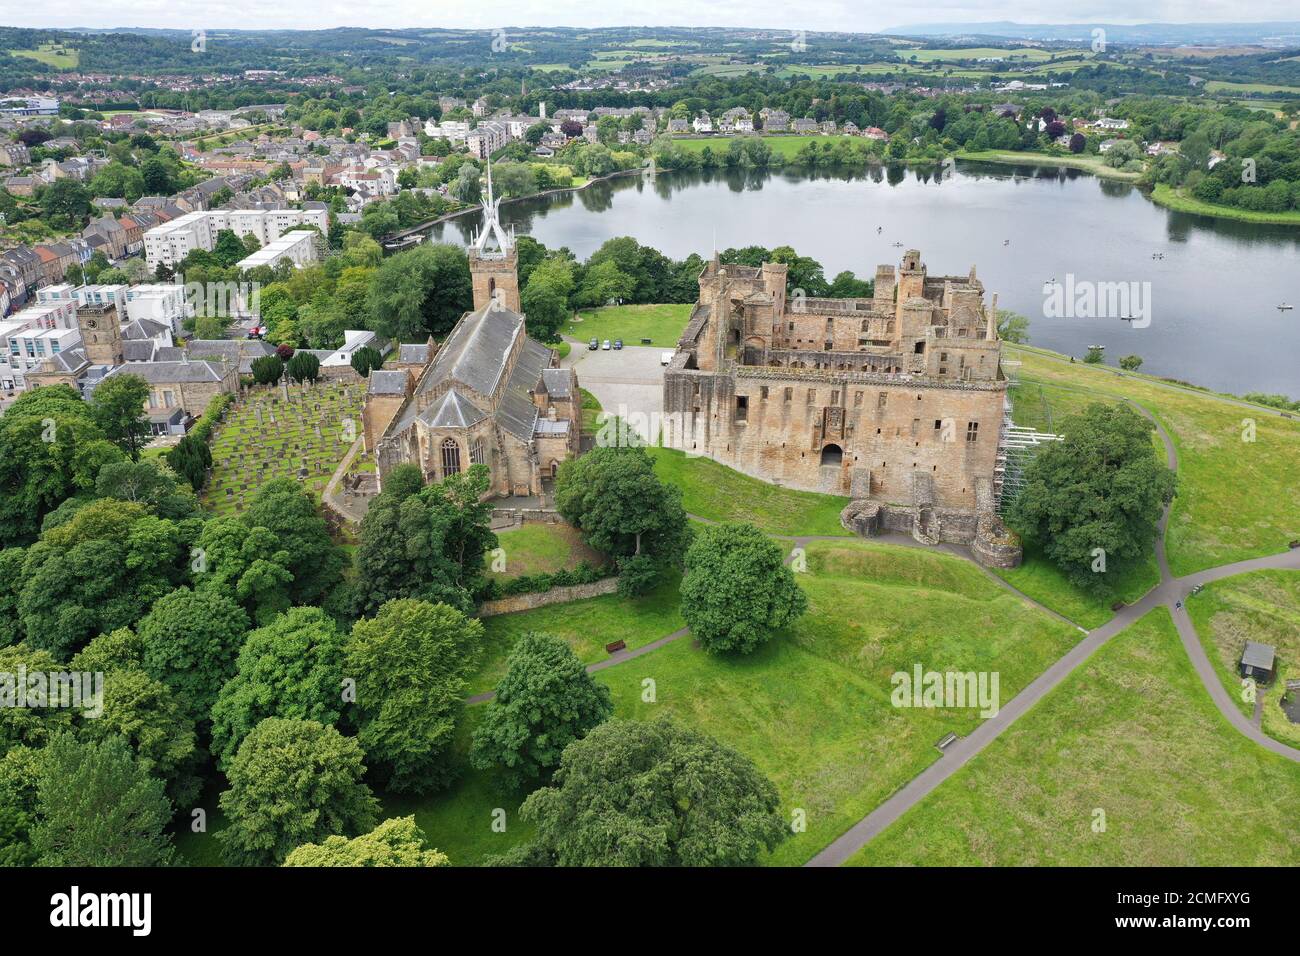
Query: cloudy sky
851,15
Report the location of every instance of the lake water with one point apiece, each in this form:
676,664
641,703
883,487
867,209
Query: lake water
1213,295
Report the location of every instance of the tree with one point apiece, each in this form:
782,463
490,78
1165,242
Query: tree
422,291
395,842
303,367
1092,502
100,570
546,701
97,806
365,360
654,793
545,308
1078,142
117,405
605,282
293,782
622,508
1130,363
191,458
1012,327
148,483
246,563
1095,355
409,663
65,201
292,668
424,542
267,369
145,713
50,448
190,642
288,512
737,590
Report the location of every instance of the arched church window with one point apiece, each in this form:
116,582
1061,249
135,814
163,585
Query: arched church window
450,458
476,452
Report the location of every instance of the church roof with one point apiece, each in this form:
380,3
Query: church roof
454,410
387,382
475,353
517,414
557,381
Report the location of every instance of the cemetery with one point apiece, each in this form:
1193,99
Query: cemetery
293,431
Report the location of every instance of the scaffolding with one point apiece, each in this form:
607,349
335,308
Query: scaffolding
1017,446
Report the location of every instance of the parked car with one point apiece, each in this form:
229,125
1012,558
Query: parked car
665,358
593,345
605,345
618,343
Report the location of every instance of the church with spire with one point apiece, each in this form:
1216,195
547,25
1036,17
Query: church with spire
487,394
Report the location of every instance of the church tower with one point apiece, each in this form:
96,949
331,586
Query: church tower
101,334
493,259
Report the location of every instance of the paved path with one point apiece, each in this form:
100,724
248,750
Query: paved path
353,509
1171,592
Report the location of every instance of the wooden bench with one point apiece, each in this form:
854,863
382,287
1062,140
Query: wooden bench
615,647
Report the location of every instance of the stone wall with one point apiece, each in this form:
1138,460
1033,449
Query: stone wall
560,595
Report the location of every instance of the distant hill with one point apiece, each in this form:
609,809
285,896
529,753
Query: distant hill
1273,33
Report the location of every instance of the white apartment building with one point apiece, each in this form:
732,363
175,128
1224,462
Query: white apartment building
29,337
166,304
299,247
486,138
168,244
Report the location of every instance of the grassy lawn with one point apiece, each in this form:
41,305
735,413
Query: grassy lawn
812,708
1093,164
661,324
1262,606
534,548
1131,733
785,145
591,411
1236,498
246,454
586,625
1178,200
719,493
50,55
1217,86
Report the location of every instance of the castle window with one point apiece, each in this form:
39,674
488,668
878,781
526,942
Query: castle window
938,424
450,458
857,399
762,392
476,452
882,399
919,348
835,397
812,396
742,408
789,395
972,431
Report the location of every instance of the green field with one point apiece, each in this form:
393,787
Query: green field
813,708
719,493
50,55
1133,734
246,454
661,324
1226,86
977,52
535,548
785,145
586,625
1093,164
1236,498
1262,606
1178,200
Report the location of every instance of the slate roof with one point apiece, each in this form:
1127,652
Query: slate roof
243,351
413,354
144,329
386,382
454,410
558,382
139,350
163,373
475,353
1258,655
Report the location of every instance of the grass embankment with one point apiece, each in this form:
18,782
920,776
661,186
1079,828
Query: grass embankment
1178,200
1263,606
661,324
1093,164
1132,734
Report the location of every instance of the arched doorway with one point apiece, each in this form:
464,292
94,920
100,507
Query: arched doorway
832,455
